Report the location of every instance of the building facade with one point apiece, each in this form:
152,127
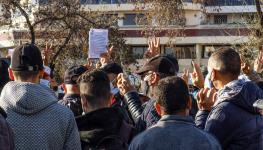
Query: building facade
222,24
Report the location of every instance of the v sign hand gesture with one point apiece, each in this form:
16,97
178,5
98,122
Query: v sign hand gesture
153,48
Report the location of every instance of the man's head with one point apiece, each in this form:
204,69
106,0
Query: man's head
94,90
112,70
172,97
155,69
224,66
26,64
71,76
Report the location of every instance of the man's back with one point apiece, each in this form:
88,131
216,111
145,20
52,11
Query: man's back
37,120
174,132
233,120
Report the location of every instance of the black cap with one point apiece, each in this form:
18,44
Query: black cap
26,57
72,74
160,64
112,68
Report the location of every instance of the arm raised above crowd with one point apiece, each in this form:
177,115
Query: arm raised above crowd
131,97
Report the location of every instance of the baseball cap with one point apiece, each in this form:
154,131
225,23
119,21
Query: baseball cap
26,57
112,68
160,64
72,74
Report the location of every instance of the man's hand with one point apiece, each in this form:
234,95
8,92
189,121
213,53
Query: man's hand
197,76
258,64
153,48
89,65
105,57
206,99
46,53
246,68
124,84
185,76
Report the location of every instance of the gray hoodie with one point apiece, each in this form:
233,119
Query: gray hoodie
37,120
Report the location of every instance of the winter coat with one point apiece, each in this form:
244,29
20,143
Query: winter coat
233,120
38,122
73,101
104,129
6,133
174,132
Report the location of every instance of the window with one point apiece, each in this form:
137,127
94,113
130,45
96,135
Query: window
138,52
43,2
182,52
103,1
132,19
220,19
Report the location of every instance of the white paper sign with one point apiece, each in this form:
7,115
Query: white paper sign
98,41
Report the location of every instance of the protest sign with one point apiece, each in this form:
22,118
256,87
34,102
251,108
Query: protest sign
98,41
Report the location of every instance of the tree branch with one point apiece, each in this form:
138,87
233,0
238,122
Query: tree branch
25,15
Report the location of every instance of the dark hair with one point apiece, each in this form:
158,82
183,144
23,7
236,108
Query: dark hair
25,75
95,86
260,84
172,94
227,60
3,72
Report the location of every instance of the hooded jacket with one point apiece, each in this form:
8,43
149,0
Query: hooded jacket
98,126
233,119
37,120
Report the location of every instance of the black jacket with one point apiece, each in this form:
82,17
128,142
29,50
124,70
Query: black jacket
104,129
73,101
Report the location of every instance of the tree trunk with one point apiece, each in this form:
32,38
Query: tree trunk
61,48
25,15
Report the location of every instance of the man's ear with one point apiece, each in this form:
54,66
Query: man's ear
84,103
189,104
157,108
154,78
213,75
110,99
41,74
11,74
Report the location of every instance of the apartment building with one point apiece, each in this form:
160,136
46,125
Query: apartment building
222,24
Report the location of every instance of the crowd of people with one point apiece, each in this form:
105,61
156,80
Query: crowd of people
98,108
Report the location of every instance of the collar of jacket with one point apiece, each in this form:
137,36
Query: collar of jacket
177,119
99,123
230,90
71,96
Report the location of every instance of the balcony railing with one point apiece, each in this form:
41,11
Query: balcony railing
112,1
231,3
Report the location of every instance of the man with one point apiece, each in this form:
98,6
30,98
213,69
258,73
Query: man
72,96
155,69
102,127
112,70
37,120
6,133
229,114
4,63
176,129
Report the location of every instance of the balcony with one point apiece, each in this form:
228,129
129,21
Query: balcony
231,3
113,1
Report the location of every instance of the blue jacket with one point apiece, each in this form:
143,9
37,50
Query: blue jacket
174,132
233,120
38,122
